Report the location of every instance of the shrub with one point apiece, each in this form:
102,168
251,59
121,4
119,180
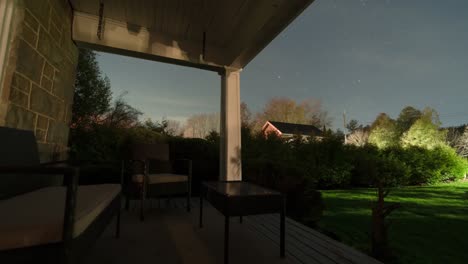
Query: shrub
451,166
365,167
391,169
103,143
306,205
274,163
143,135
426,166
100,143
284,165
204,155
338,176
326,163
373,165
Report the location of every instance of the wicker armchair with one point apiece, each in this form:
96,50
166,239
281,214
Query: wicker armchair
150,173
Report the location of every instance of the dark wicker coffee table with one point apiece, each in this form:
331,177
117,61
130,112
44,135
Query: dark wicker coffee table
237,198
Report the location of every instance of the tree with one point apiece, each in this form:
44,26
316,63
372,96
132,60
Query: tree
457,138
425,132
173,127
121,114
407,117
165,127
283,109
338,134
99,125
352,125
155,126
359,137
380,211
461,145
384,132
213,137
246,115
200,125
92,98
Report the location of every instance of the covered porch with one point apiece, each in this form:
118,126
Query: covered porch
40,40
38,55
218,36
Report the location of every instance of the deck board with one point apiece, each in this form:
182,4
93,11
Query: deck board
299,235
171,235
313,251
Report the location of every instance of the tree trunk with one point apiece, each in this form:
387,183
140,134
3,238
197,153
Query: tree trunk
380,211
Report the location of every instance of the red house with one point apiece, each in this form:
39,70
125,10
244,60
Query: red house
288,130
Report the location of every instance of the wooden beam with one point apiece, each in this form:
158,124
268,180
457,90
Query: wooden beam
136,41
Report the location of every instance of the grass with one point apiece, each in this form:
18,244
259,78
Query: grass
431,226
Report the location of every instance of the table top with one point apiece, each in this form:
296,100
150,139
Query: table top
239,188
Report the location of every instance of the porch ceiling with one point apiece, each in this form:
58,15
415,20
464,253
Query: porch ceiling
202,33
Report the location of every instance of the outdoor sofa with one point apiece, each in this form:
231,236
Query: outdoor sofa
42,220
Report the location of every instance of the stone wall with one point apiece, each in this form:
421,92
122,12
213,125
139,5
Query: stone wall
40,74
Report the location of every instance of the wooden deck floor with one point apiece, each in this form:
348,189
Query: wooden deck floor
171,235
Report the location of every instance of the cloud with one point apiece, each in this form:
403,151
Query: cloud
170,101
400,61
172,107
181,119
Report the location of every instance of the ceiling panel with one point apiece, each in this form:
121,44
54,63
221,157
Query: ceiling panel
185,19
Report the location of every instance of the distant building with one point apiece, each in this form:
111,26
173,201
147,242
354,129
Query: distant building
288,130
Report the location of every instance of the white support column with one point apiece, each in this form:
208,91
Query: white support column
230,130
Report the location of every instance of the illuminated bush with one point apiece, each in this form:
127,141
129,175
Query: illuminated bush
384,132
424,133
429,166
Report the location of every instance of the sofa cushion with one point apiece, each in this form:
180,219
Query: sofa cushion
160,178
18,147
36,218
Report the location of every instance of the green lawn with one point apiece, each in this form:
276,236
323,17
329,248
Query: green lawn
431,226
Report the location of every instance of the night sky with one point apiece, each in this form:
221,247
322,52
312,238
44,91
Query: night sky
360,56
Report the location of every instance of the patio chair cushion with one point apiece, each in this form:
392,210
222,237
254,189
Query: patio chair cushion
19,147
36,218
160,178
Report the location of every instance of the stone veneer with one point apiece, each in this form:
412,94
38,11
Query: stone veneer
40,74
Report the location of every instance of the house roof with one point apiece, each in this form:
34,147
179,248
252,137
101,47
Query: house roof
290,128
